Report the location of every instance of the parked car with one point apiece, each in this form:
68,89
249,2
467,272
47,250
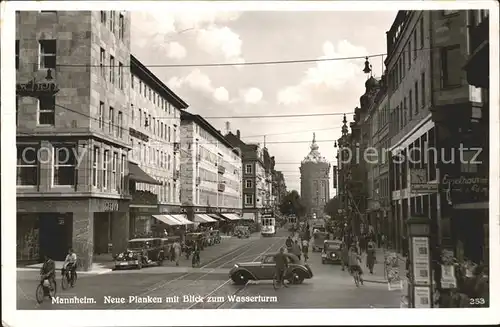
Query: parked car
196,237
141,252
264,269
331,251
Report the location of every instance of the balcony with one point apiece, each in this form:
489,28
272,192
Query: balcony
198,180
221,187
221,169
143,197
477,65
177,174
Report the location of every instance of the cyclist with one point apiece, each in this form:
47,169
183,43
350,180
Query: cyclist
70,263
355,262
281,266
48,271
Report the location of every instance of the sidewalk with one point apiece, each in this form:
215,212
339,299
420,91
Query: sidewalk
97,268
378,275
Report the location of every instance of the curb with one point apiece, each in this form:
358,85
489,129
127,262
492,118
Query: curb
96,272
375,281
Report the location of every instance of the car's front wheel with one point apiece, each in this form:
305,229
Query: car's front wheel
296,277
240,278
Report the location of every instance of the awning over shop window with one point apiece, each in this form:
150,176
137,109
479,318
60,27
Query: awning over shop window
167,220
138,175
229,216
182,219
201,218
248,216
215,216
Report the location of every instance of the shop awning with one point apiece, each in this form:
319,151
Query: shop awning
167,220
201,218
215,216
236,216
248,216
229,216
182,219
138,175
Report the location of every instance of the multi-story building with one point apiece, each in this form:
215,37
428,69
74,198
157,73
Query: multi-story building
435,113
211,169
315,181
154,129
72,132
253,176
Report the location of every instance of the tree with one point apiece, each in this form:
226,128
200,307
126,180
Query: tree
332,207
292,204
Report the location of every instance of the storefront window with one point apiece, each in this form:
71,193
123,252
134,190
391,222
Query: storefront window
27,238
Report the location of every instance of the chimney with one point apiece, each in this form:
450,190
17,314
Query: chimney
228,127
238,134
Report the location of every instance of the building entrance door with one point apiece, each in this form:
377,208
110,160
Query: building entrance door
54,235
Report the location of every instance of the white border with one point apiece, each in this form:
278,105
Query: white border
11,317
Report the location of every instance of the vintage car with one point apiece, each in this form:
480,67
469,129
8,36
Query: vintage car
196,237
141,252
318,240
331,251
214,237
264,269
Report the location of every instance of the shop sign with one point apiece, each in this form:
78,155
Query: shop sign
37,88
110,205
448,279
422,296
465,189
138,135
419,183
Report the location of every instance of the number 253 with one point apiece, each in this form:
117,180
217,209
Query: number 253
477,301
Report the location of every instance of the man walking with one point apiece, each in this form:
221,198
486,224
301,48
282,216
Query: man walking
177,252
305,249
296,249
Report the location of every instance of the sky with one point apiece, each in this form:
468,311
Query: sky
257,90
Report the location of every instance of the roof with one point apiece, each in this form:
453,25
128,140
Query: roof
314,156
186,116
137,68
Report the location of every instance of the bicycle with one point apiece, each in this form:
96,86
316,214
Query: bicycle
46,288
279,282
68,279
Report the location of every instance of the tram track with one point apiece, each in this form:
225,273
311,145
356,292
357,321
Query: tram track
161,286
203,304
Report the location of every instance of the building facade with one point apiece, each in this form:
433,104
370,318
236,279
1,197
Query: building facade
435,113
253,177
211,169
315,182
154,136
71,166
279,188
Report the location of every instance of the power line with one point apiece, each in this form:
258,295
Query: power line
279,116
250,63
293,132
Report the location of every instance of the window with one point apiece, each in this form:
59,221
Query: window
64,165
112,69
102,60
158,127
157,157
405,112
248,183
150,93
120,75
175,135
161,130
466,163
132,115
119,126
132,81
122,172
140,118
169,132
248,168
422,89
46,110
415,44
140,87
421,33
248,199
450,58
168,162
416,98
154,126
409,54
410,105
17,54
149,121
95,166
111,118
105,176
101,115
103,17
27,165
112,16
47,54
154,98
114,181
121,27
18,99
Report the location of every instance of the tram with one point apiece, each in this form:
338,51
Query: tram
268,225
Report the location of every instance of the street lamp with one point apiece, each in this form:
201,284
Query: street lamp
420,291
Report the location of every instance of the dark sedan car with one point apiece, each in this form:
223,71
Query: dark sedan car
141,252
331,252
264,269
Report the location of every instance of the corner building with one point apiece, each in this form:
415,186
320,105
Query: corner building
315,181
76,188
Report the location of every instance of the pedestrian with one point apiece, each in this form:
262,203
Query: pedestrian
289,243
305,249
177,252
296,249
344,253
370,256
